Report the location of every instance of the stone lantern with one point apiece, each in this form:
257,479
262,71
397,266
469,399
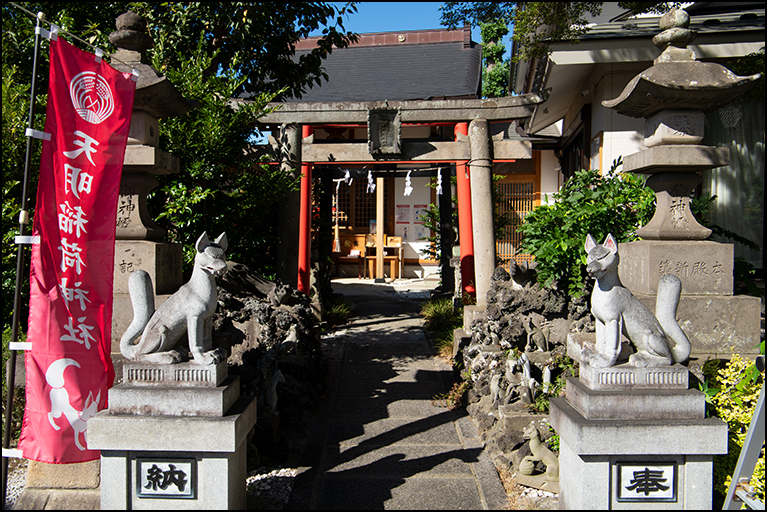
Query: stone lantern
138,239
672,96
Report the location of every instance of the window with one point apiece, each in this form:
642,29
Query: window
357,207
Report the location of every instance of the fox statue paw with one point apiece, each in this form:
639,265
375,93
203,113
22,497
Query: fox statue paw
597,359
646,360
210,357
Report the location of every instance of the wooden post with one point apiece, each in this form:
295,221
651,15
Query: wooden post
446,233
380,230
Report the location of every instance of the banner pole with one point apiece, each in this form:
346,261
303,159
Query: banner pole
23,222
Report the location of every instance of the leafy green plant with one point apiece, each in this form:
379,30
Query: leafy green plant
337,312
738,384
431,221
15,93
553,441
588,203
562,368
453,399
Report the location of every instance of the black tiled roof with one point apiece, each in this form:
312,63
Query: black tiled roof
398,73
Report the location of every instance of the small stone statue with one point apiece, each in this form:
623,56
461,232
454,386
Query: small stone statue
550,479
658,341
190,310
537,338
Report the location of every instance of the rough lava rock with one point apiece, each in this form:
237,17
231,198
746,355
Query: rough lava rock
512,351
272,337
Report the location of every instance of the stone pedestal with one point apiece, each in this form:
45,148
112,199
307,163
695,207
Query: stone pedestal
634,439
174,436
60,487
716,322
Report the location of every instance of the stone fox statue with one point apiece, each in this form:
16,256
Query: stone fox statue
657,338
190,310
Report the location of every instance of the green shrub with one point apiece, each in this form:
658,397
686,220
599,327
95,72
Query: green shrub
441,320
588,203
734,391
562,368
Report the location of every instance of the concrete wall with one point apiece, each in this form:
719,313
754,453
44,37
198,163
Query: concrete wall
622,135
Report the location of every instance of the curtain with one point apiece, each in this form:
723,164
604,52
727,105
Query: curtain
738,187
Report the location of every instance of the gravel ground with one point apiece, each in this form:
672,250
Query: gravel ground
266,489
269,490
17,478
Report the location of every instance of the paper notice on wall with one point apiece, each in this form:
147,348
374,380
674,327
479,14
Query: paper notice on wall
403,214
420,211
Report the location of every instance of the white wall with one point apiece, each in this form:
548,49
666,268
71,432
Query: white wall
406,210
550,176
622,135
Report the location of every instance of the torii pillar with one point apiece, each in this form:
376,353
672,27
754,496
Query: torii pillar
481,169
290,160
305,222
466,237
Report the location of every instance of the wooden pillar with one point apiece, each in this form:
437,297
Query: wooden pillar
482,206
465,233
305,222
380,224
446,233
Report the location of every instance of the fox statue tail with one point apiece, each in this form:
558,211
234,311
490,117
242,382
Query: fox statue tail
669,290
142,300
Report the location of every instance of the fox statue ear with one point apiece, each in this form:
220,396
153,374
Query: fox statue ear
221,241
202,242
611,244
590,244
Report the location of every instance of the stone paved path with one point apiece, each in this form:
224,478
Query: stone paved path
378,442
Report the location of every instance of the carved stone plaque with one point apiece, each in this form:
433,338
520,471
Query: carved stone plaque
385,131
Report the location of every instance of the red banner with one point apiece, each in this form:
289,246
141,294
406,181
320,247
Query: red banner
69,368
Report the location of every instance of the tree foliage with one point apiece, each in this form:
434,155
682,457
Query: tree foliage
14,142
536,24
495,74
220,188
211,51
258,40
